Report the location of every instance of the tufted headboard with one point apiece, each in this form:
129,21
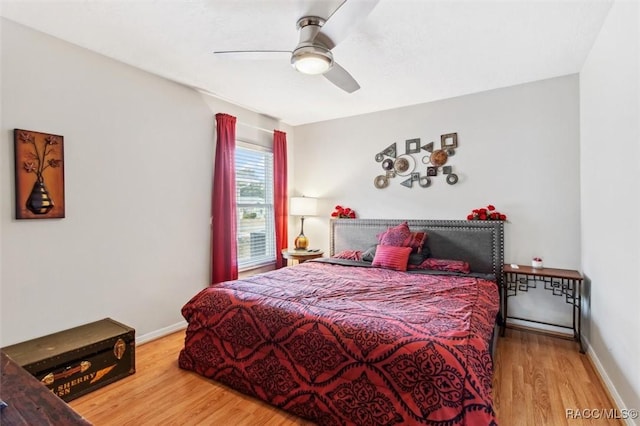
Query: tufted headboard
481,243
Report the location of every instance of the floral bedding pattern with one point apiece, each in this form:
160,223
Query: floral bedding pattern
350,345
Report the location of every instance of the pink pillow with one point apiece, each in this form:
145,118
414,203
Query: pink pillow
416,241
401,236
444,265
349,254
392,257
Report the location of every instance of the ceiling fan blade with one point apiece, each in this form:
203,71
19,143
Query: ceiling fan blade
343,20
341,78
253,54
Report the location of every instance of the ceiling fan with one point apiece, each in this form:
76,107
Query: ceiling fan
318,36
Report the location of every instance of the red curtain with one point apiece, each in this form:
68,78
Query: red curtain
280,208
224,259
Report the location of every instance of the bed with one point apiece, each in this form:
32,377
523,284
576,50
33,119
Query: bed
339,341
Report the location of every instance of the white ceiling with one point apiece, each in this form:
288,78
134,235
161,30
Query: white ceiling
406,52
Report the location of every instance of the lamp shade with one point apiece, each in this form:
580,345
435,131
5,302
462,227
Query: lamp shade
303,206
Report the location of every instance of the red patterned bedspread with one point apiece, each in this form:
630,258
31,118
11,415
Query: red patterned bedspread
350,345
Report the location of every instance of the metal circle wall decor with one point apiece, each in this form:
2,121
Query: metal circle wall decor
439,158
404,165
401,165
408,163
381,181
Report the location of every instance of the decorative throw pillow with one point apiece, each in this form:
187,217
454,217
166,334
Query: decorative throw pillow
416,241
414,258
395,235
443,265
401,236
349,254
392,257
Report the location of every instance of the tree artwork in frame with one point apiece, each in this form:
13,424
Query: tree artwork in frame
39,173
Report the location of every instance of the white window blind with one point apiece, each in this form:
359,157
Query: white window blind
254,196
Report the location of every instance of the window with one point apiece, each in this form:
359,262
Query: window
254,195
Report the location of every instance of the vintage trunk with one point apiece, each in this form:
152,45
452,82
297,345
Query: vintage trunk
82,359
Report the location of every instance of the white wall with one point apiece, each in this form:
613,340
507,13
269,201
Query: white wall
138,169
610,162
517,149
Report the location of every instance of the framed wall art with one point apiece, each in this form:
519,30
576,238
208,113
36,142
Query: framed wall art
39,175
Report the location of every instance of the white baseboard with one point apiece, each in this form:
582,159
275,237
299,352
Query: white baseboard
607,382
541,327
145,338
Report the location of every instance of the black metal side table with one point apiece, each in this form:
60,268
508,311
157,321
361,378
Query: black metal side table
561,282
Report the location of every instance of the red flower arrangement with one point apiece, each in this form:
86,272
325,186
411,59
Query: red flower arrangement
486,213
343,213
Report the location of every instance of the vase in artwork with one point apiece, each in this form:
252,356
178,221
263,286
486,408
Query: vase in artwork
39,201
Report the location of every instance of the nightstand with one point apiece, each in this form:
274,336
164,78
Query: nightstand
301,255
564,283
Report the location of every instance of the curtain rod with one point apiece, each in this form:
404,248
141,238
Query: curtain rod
256,127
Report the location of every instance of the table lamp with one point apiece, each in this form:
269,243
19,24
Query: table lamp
303,206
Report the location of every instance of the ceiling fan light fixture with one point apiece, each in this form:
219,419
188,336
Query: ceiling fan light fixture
312,60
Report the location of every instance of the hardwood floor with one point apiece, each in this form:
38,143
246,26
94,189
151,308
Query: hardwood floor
537,378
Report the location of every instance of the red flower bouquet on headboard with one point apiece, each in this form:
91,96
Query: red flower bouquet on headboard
343,213
486,213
